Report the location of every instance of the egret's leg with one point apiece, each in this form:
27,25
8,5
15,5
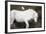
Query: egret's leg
27,24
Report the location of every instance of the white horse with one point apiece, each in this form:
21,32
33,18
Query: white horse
23,16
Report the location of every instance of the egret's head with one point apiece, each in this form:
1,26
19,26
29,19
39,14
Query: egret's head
23,8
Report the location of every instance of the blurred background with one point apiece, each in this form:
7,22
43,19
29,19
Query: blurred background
32,23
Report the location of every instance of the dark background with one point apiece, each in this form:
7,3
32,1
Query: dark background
32,23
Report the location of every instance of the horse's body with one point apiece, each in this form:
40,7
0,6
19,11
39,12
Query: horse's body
23,16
